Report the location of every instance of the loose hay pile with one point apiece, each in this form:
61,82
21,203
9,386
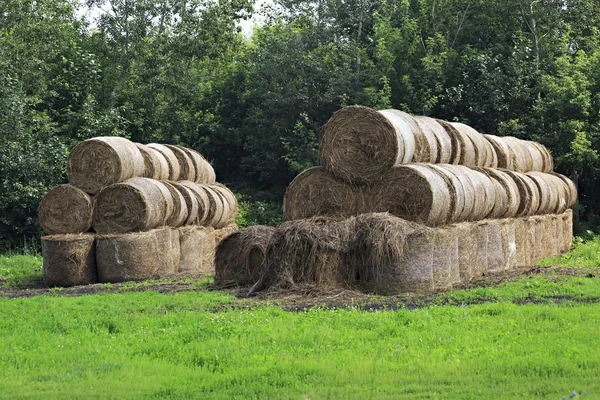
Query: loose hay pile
124,198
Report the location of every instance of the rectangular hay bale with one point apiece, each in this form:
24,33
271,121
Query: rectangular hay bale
416,272
495,253
523,241
467,250
446,270
197,244
509,243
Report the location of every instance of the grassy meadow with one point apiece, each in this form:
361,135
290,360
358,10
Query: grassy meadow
533,335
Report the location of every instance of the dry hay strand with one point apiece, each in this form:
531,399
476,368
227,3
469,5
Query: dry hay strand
197,247
523,242
442,141
547,193
567,231
138,256
315,192
509,192
509,244
467,250
138,204
528,193
305,253
496,261
155,164
187,169
201,199
191,202
456,156
446,261
457,197
227,230
415,192
69,260
358,143
504,154
466,190
240,257
571,189
230,204
482,150
172,161
389,255
179,216
204,172
216,206
102,161
65,209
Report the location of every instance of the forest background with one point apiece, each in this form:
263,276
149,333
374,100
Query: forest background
182,71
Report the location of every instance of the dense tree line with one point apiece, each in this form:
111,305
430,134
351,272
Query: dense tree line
180,71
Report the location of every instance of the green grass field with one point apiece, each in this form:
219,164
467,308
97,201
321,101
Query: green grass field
534,335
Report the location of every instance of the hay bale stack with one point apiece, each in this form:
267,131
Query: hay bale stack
509,192
414,192
172,161
216,207
139,204
465,190
222,233
69,260
548,237
567,230
528,193
358,143
155,164
446,261
240,256
509,243
316,192
137,256
571,189
197,246
463,149
65,209
102,161
557,235
547,193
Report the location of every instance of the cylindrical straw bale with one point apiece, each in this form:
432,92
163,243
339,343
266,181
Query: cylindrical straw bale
483,150
138,256
528,193
191,202
547,193
495,252
155,164
204,171
509,243
489,190
467,250
523,161
69,260
546,155
501,203
468,152
572,189
567,228
466,190
358,143
411,134
102,161
215,206
227,215
414,192
197,244
435,135
524,241
511,190
172,161
457,197
446,270
240,256
230,201
317,192
137,204
201,198
65,209
538,160
180,210
456,156
187,169
504,154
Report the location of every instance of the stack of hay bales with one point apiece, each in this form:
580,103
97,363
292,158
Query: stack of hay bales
133,212
444,204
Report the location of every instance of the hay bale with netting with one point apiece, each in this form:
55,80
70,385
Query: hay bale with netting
240,256
547,239
359,143
315,192
230,204
65,209
138,204
197,246
305,253
524,242
509,243
227,230
557,236
414,192
446,261
102,161
138,256
504,154
69,260
567,230
172,161
204,172
187,169
495,251
467,250
155,164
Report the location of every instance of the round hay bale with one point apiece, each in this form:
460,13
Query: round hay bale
315,192
215,207
510,190
482,151
522,157
537,158
442,152
179,216
138,256
204,172
547,157
466,190
572,189
138,204
446,262
102,161
414,138
528,193
196,244
502,202
155,164
509,243
358,143
201,199
69,260
547,193
456,139
504,154
230,202
457,197
190,200
240,257
187,168
414,192
562,192
65,209
227,215
172,161
489,190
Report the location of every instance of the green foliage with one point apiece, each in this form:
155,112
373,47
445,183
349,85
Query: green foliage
20,270
253,212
